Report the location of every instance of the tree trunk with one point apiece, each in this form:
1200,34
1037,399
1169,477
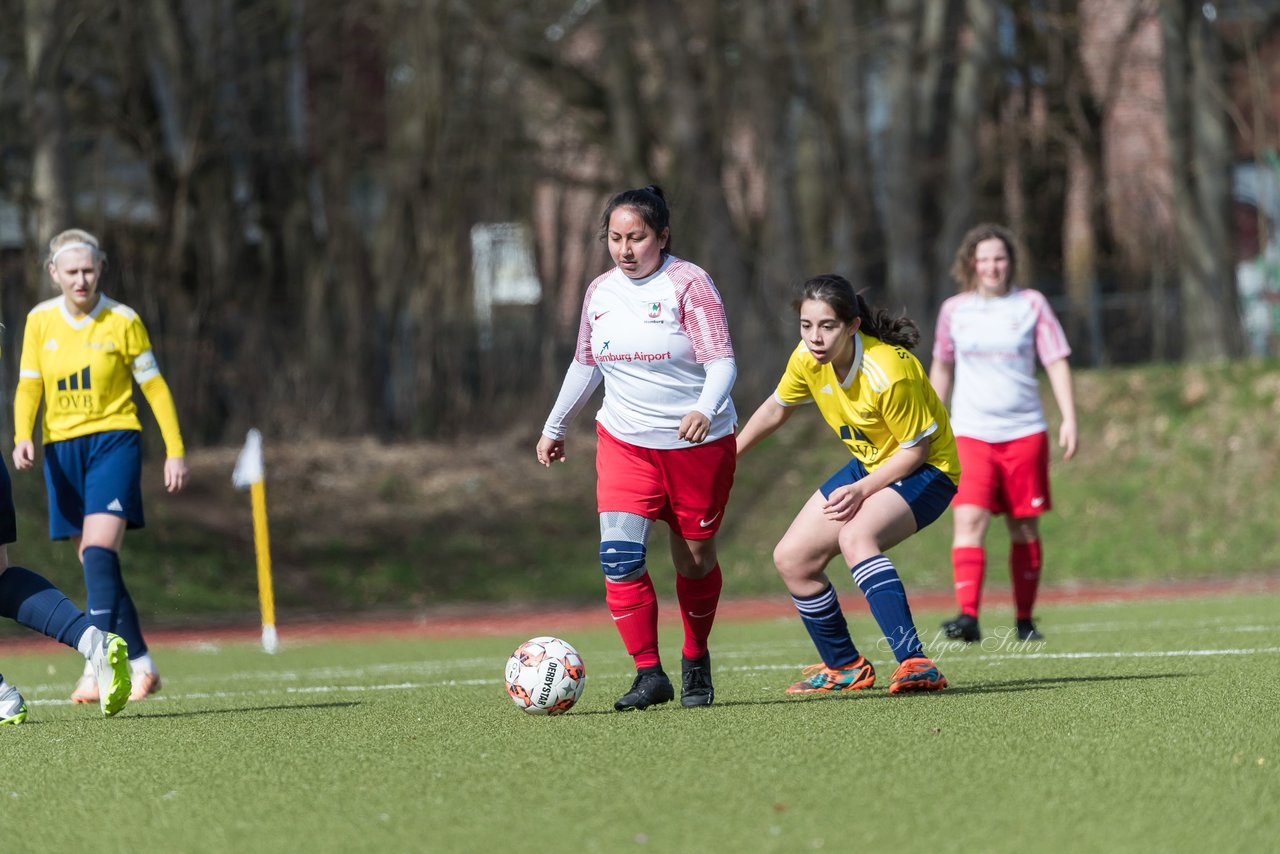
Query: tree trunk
1200,156
697,170
858,239
907,289
45,31
770,89
973,79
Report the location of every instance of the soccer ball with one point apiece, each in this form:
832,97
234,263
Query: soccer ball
545,676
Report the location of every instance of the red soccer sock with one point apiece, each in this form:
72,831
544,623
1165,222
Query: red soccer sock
1025,563
969,565
634,606
698,598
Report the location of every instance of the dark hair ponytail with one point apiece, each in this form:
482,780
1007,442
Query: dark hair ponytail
837,292
648,201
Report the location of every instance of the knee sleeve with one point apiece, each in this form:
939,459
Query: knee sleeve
622,560
622,545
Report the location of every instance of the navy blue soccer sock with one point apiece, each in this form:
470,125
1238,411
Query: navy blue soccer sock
109,605
825,621
34,602
887,598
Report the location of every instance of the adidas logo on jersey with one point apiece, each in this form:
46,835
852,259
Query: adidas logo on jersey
826,389
79,381
852,434
51,344
116,506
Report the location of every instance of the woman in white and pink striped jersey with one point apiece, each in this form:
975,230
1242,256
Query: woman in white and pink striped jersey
988,339
653,329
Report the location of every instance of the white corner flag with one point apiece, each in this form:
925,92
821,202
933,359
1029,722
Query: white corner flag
248,473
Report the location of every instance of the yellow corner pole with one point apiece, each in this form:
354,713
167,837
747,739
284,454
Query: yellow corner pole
262,548
248,472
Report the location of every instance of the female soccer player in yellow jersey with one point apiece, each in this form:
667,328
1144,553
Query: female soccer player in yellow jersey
82,352
854,364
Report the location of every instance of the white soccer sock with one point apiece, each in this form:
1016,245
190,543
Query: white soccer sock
88,641
142,664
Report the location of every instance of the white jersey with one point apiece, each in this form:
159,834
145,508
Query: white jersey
993,343
650,338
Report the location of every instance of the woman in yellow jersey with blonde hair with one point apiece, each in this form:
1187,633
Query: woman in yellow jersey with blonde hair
82,352
854,364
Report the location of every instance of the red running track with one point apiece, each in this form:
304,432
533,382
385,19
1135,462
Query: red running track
471,621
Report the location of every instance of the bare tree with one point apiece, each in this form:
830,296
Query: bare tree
772,87
973,78
45,29
913,49
696,99
302,176
908,283
844,52
1200,154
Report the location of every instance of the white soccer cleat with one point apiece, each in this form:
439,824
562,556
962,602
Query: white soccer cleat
86,690
145,683
109,658
13,709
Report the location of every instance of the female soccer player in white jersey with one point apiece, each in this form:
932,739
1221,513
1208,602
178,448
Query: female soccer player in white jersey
82,352
853,364
654,329
984,358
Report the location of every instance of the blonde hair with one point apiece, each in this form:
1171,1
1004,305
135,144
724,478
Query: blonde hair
76,238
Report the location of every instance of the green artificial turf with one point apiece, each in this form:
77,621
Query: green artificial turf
1144,726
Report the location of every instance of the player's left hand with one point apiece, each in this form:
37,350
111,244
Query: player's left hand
694,427
175,473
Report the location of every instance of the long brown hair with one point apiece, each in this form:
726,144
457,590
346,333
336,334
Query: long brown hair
962,268
837,292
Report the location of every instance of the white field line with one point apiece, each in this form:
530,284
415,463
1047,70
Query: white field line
1128,626
319,690
1157,653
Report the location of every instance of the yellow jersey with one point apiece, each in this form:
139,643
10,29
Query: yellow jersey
885,403
86,368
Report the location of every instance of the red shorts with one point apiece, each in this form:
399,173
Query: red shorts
687,488
1005,477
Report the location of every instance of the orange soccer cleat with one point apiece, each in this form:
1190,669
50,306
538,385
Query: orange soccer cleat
917,674
854,676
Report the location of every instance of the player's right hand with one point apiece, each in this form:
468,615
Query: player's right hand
549,451
843,502
24,454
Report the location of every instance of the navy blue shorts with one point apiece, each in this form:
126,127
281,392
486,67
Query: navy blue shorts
928,492
8,516
98,473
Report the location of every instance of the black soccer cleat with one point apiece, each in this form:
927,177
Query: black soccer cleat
1027,631
695,681
650,688
963,627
